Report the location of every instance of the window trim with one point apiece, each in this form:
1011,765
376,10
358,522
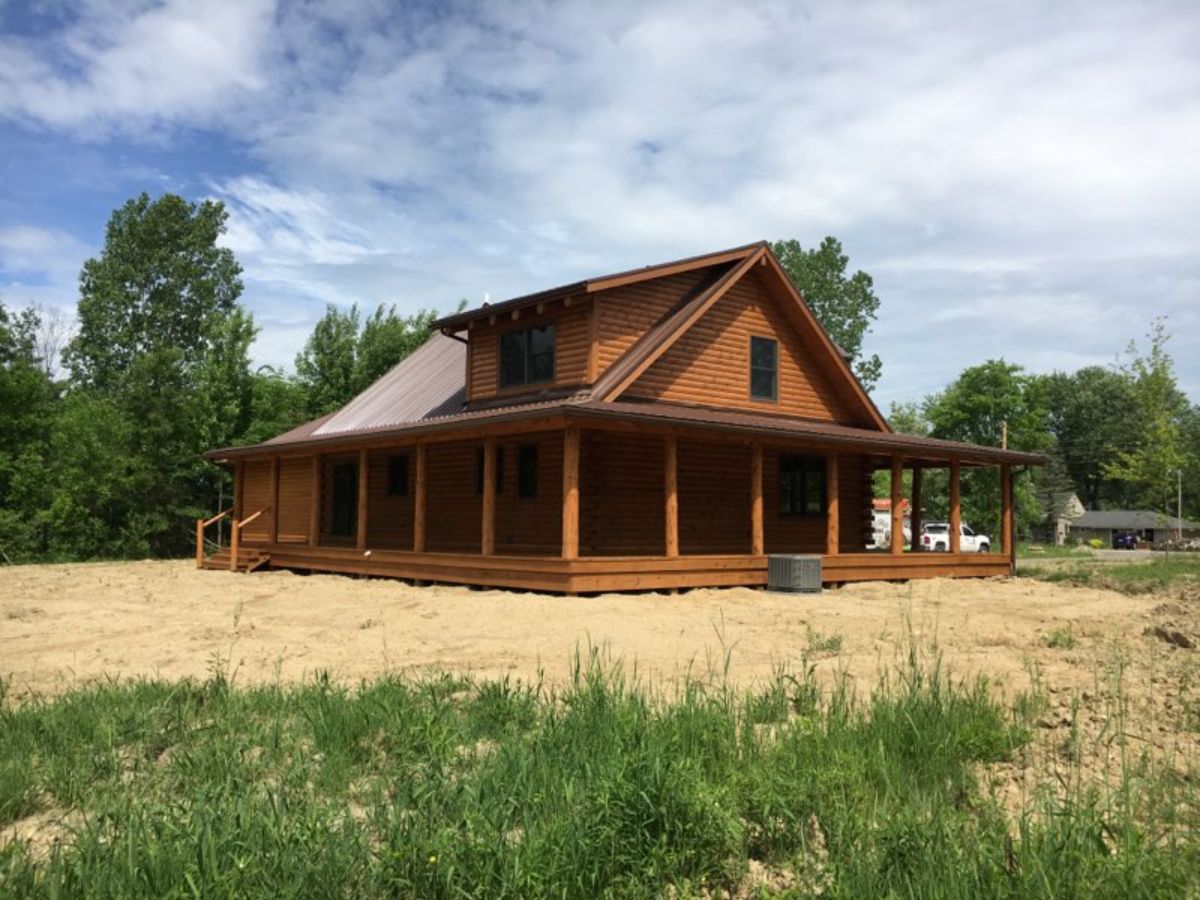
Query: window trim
527,332
808,465
750,368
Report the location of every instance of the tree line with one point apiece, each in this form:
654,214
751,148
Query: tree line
104,459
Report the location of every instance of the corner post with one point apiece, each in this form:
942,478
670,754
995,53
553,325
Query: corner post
199,543
273,518
1006,510
419,499
570,493
897,508
360,530
671,494
239,481
915,514
487,540
955,507
757,544
314,509
832,506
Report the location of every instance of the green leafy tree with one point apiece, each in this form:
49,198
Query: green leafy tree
160,282
326,365
278,404
975,408
1159,452
1090,414
386,339
845,305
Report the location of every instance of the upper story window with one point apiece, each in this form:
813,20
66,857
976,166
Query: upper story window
527,356
764,368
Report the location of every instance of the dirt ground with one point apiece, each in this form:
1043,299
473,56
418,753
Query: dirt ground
62,625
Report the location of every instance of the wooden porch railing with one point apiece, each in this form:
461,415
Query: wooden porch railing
202,524
236,534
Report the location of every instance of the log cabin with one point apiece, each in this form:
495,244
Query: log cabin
666,427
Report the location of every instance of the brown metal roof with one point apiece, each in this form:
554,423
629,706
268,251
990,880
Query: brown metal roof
428,383
602,282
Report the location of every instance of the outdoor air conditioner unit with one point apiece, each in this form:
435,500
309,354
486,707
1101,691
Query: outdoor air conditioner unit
795,573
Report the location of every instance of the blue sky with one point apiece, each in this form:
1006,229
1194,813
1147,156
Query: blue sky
1021,179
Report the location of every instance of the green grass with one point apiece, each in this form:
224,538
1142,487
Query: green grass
1179,570
1061,638
1052,551
445,787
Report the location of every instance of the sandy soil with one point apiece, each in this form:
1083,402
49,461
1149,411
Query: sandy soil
66,624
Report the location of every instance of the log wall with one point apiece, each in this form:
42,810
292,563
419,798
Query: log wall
572,332
295,499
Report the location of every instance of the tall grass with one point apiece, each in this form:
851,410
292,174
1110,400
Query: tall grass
1176,571
445,787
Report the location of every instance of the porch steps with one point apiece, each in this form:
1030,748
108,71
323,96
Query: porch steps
249,560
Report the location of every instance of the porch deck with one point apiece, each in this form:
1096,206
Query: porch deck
612,573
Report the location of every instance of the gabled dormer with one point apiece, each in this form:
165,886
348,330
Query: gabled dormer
724,330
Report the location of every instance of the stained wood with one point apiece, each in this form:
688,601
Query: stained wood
915,512
710,363
421,492
530,525
832,505
955,507
570,491
1006,509
756,499
671,494
273,493
621,508
314,509
626,313
897,508
488,513
572,348
256,495
714,497
293,500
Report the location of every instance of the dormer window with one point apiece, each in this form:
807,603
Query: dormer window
527,356
764,368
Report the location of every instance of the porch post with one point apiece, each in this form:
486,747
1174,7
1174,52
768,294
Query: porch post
832,506
955,509
1006,509
915,515
570,493
273,495
363,495
671,494
487,543
314,511
239,482
756,500
897,511
419,502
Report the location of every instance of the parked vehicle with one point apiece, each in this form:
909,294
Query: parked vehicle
936,536
1124,540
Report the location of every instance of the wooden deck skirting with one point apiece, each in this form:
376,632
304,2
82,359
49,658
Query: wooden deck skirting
617,573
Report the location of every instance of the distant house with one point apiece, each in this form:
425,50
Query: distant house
1147,525
665,427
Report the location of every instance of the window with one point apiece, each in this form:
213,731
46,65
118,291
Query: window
398,475
801,486
527,471
499,471
527,357
345,500
764,368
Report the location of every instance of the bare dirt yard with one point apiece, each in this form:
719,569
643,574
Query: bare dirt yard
65,625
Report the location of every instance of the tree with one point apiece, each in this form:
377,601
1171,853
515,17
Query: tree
1090,412
325,367
386,339
845,306
1149,467
975,408
161,281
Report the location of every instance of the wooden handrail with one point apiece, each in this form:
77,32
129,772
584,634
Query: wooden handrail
235,536
201,524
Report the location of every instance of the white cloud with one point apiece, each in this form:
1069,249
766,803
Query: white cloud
1020,178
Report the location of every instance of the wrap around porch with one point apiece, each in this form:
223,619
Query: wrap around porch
580,509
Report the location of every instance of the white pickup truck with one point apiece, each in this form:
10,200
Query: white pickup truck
936,536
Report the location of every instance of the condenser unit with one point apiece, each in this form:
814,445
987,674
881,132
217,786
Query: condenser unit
795,573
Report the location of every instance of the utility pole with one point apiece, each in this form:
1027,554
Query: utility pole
1179,504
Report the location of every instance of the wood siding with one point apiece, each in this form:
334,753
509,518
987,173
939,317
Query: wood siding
714,497
295,499
454,506
390,517
572,333
256,495
626,313
621,494
710,363
806,534
530,524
